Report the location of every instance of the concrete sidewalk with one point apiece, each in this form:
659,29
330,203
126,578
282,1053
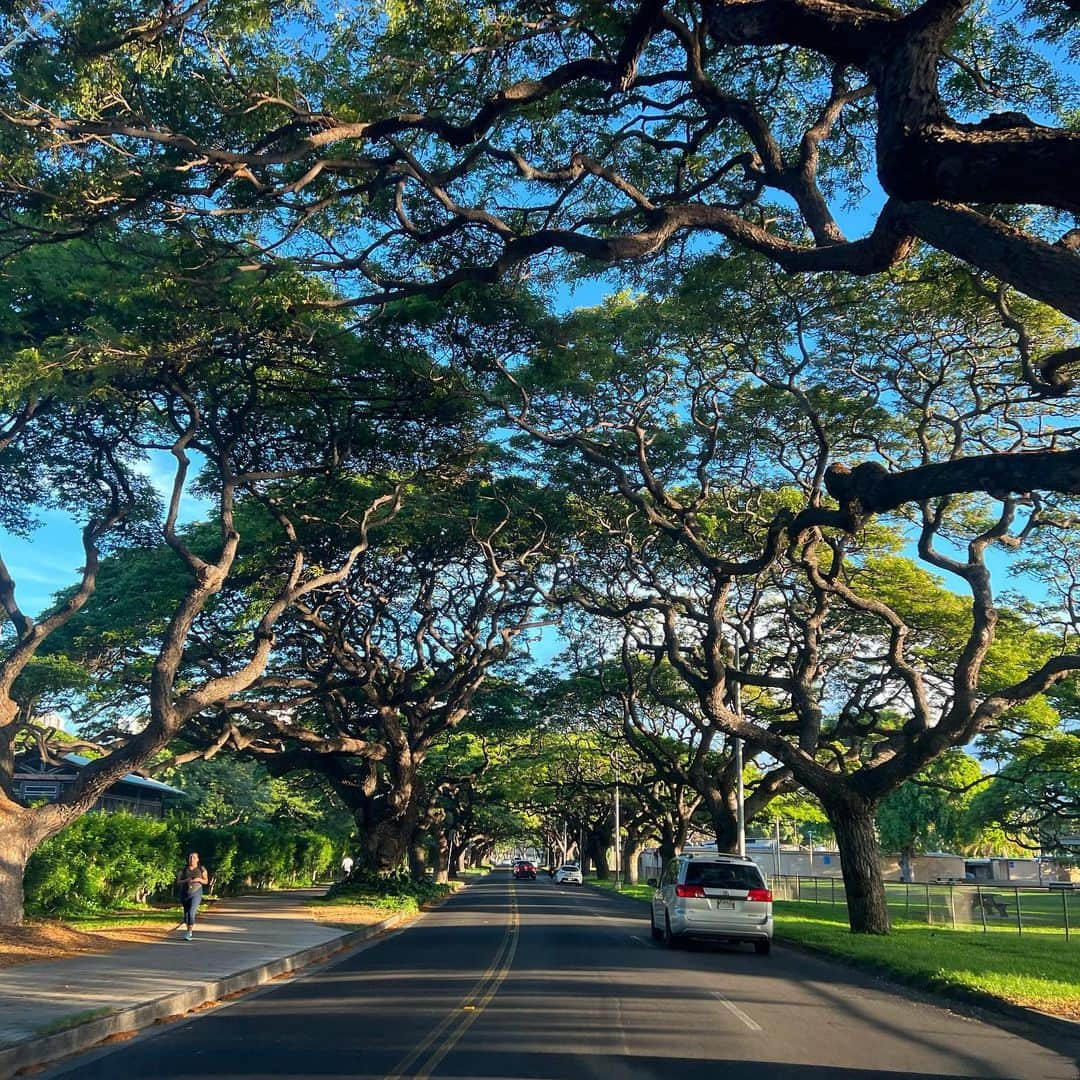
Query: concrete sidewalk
56,1007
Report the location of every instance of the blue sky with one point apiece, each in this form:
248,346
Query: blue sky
50,558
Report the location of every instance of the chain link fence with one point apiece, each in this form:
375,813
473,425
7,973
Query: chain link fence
985,906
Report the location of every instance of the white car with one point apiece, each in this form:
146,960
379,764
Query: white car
710,896
568,874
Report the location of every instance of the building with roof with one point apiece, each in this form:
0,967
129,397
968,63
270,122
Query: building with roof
36,780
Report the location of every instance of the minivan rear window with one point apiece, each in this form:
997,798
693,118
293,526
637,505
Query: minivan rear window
724,876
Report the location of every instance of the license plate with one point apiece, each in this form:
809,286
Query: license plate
725,904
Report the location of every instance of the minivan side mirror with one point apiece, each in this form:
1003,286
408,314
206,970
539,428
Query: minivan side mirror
652,882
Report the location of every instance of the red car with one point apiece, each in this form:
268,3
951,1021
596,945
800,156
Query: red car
524,869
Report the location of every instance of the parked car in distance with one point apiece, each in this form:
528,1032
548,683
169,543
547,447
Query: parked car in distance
524,869
712,897
568,874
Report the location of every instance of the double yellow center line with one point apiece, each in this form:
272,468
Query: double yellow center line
426,1057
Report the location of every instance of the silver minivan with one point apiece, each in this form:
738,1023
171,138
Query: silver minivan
711,896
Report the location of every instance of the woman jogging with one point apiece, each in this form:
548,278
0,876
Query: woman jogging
191,880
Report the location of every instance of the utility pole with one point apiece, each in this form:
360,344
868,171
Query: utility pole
776,847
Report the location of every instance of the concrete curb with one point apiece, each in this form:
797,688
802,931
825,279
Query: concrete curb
84,1036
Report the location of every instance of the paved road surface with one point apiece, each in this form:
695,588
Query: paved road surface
527,980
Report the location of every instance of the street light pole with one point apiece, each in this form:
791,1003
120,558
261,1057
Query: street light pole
618,844
740,795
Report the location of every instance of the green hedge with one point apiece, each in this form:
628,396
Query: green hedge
103,861
259,856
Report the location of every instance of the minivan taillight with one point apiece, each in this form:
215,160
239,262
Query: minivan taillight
762,895
690,890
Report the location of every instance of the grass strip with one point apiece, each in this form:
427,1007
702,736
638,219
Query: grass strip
1038,971
65,1023
120,920
635,892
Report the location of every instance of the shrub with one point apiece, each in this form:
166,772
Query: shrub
101,861
398,890
241,857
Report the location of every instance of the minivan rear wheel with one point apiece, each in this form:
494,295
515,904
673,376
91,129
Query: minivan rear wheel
762,947
672,941
657,933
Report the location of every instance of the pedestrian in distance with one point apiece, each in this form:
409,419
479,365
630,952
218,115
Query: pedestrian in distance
347,865
189,883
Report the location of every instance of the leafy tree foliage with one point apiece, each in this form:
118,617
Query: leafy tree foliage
1035,798
930,811
422,145
218,376
700,440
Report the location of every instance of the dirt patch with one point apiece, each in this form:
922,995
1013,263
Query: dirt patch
348,916
54,941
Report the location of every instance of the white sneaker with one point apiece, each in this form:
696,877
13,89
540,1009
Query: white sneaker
187,936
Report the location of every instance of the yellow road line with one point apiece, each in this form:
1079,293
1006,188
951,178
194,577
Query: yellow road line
478,998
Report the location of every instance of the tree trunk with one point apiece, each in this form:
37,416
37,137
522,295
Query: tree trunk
723,813
442,858
418,856
19,836
598,854
632,850
385,847
667,844
852,819
907,870
457,863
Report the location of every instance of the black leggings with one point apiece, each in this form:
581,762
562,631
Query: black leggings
191,906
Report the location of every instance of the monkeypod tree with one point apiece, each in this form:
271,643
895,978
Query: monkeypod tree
215,379
467,781
689,755
700,437
373,673
422,145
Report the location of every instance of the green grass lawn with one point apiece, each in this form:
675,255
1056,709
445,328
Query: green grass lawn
1039,970
941,906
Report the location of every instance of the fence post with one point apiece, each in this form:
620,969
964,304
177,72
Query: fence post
1019,918
907,899
982,908
929,920
832,891
1065,910
798,887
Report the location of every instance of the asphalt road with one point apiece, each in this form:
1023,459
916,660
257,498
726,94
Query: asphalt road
529,980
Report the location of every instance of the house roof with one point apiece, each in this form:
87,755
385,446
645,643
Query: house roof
131,778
